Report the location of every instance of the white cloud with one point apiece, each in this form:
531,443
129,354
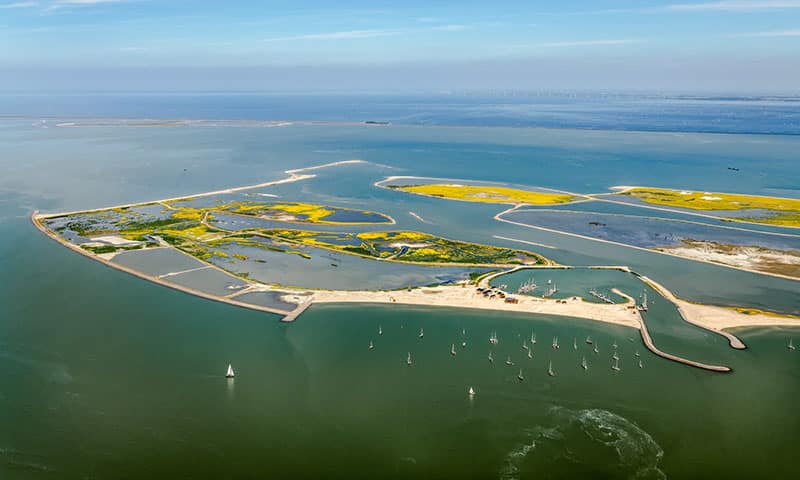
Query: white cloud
369,33
18,5
736,5
83,2
450,28
588,43
349,34
779,33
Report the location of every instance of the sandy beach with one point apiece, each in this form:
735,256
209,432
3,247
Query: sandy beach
467,297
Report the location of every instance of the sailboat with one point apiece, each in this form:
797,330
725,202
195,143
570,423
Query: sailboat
533,339
408,359
380,330
524,346
464,334
230,373
596,350
614,345
491,358
421,333
790,346
509,362
615,356
574,343
528,286
519,375
615,367
589,340
471,392
584,365
640,364
453,349
530,353
643,307
636,354
550,371
555,343
493,338
371,346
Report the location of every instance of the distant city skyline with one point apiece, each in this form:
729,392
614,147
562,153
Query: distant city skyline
355,45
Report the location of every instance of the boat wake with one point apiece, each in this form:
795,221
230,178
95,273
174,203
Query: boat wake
581,440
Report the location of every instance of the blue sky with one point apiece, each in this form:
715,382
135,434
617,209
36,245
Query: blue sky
725,45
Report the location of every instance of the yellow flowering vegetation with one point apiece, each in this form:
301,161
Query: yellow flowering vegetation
486,194
781,211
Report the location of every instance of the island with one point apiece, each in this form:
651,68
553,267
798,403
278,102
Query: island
203,244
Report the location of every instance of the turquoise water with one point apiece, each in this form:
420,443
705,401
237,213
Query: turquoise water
103,375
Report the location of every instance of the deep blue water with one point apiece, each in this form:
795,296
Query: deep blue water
710,114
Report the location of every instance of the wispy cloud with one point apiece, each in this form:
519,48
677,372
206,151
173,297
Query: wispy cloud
18,5
83,2
349,34
450,28
368,33
736,5
589,43
779,33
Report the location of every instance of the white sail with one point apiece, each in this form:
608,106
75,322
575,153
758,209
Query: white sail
471,392
230,373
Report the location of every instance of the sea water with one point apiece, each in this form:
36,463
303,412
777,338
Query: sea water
103,375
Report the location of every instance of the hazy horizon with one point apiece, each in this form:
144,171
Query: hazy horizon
731,46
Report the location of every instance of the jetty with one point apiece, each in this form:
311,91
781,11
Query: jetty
648,342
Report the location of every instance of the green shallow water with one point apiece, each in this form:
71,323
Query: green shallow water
103,375
140,392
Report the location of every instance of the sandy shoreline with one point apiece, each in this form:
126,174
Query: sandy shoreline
467,297
294,175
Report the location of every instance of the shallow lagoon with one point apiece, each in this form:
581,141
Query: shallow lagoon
157,261
330,270
645,232
209,280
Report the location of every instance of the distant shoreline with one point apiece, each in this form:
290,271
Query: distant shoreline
272,123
